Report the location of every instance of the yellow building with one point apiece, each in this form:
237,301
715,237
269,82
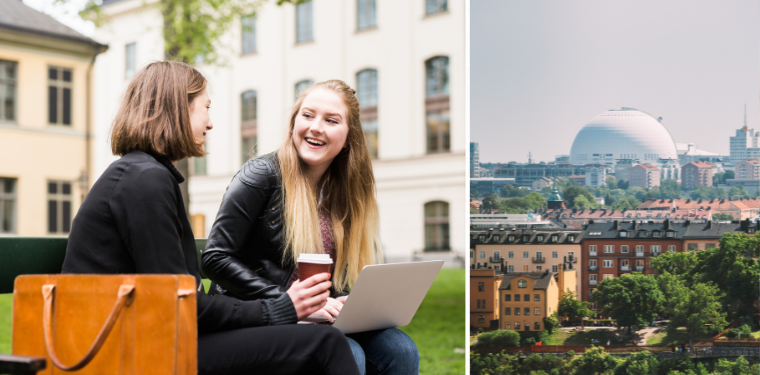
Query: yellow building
45,121
526,298
484,298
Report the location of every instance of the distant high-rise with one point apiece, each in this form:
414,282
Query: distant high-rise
745,139
474,160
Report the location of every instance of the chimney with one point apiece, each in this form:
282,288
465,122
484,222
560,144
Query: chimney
667,224
615,225
709,224
635,225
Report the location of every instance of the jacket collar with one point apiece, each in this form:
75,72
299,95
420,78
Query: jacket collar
168,164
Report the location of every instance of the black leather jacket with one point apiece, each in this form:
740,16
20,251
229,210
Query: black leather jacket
243,254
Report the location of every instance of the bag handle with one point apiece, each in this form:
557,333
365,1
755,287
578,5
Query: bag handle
124,297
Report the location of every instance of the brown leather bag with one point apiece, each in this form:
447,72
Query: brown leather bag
107,324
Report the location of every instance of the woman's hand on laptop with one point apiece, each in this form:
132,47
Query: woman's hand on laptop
342,299
310,295
331,310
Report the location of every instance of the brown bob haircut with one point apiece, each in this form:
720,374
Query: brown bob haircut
154,116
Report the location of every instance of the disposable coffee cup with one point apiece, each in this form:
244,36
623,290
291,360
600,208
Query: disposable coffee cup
312,264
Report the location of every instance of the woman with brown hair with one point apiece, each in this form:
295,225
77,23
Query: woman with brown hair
134,221
315,195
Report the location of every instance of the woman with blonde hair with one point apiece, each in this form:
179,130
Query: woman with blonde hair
134,221
316,194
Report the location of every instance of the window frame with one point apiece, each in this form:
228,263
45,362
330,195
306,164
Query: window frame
304,17
60,85
60,198
248,35
437,227
370,11
5,198
6,82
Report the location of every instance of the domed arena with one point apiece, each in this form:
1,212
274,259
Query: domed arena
625,133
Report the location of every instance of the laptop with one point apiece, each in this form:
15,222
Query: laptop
384,296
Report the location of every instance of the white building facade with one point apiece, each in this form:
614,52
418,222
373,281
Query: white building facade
406,59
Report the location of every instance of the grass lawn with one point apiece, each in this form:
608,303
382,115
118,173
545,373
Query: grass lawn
438,327
662,338
566,337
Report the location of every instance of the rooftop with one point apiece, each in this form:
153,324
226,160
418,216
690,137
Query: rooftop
542,279
15,15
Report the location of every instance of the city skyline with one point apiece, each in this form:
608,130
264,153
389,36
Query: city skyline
540,74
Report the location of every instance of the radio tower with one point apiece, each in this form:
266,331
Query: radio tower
745,117
530,157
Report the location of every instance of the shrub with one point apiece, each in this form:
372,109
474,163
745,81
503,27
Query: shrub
498,338
745,330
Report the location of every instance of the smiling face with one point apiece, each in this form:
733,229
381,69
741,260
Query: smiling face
320,130
199,120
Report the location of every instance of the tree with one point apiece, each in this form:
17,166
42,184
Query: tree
737,191
611,182
669,189
722,217
551,323
571,307
474,194
622,184
626,204
572,192
641,363
705,193
631,299
594,361
582,202
726,367
535,200
733,267
693,307
675,263
494,364
510,190
728,175
489,202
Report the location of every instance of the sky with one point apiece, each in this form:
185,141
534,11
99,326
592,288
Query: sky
540,70
65,12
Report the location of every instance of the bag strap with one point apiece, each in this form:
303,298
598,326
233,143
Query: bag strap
124,297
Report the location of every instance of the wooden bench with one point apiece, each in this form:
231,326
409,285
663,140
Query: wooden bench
35,255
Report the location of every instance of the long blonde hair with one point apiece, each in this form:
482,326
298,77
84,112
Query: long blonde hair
347,192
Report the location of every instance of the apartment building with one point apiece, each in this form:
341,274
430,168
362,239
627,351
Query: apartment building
526,298
644,176
484,298
579,218
701,236
740,209
698,173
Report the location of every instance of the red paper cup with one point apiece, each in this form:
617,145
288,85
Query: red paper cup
307,270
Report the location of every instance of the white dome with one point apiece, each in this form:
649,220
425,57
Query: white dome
624,133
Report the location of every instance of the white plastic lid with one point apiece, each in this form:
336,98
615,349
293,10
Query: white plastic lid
315,258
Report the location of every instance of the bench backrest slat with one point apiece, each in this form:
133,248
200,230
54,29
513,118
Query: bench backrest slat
39,255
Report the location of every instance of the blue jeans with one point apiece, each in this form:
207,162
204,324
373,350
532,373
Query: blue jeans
387,352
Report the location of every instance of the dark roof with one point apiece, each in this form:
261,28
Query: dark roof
717,230
517,234
15,15
636,230
542,279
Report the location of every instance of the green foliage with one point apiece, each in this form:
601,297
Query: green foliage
551,323
692,306
498,338
726,367
706,193
622,184
734,268
737,191
668,189
489,202
630,299
594,361
743,331
674,263
547,364
509,191
570,306
611,182
581,202
571,193
494,364
722,217
679,365
474,194
641,363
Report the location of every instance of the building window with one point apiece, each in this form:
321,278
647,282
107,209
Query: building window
592,263
536,297
655,248
248,39
511,254
249,109
8,83
496,267
496,255
526,268
304,26
510,268
482,254
537,325
483,304
526,297
507,325
481,287
624,249
302,86
540,238
592,279
592,248
539,255
436,226
517,298
522,284
366,16
517,311
481,319
437,104
555,255
59,207
537,311
526,255
60,82
539,268
472,254
517,324
482,238
199,166
366,92
555,269
478,304
607,264
607,276
507,311
672,248
609,249
130,63
710,246
639,248
526,311
624,263
692,246
507,297
436,6
496,238
7,205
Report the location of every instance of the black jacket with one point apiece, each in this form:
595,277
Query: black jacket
134,221
244,251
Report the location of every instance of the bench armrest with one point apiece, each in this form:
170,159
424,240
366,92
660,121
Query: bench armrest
21,365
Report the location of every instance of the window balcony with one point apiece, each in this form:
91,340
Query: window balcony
640,268
539,260
638,254
593,268
592,282
655,254
592,253
625,268
495,259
